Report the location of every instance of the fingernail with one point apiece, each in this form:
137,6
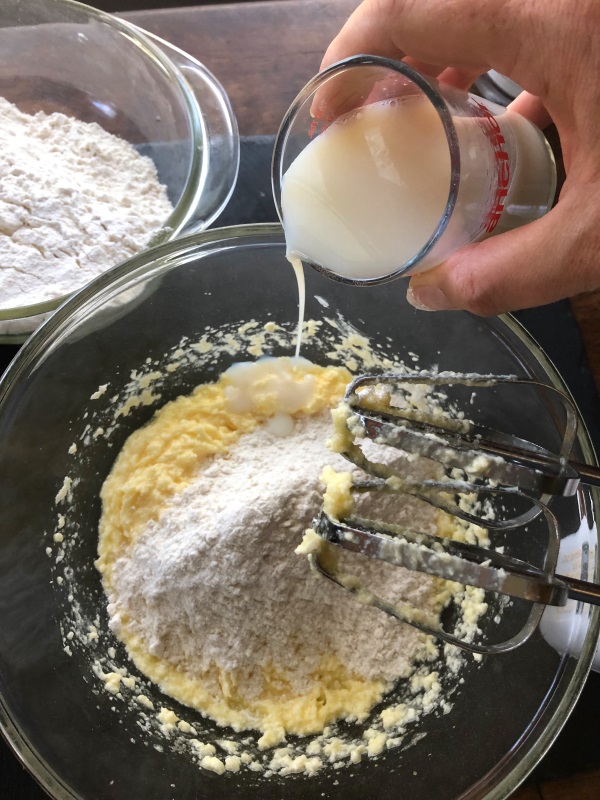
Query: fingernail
428,298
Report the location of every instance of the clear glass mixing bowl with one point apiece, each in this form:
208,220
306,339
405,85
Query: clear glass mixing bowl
59,55
81,742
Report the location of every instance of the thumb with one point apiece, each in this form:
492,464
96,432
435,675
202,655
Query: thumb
543,261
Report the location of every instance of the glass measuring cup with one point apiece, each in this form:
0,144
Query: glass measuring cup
379,171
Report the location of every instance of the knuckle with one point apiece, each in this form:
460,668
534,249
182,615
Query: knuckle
476,293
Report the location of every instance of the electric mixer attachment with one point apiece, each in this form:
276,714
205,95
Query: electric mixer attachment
519,476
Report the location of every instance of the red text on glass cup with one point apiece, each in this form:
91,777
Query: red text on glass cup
492,130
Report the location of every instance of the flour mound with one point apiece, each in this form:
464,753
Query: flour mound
215,580
74,201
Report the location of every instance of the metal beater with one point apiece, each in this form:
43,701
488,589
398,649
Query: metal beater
478,460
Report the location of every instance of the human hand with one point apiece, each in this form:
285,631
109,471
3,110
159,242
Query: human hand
552,49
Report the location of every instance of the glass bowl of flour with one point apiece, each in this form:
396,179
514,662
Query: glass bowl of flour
138,369
112,140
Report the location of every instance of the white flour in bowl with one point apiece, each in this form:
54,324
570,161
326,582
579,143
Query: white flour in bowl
74,201
215,579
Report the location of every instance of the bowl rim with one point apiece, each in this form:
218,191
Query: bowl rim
149,46
506,776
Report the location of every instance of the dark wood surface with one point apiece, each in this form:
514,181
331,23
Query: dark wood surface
263,53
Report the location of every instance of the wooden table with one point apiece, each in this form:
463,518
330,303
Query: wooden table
263,53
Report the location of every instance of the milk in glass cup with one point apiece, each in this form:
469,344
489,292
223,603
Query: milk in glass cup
379,171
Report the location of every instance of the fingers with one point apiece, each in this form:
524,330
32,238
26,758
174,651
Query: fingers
354,87
432,70
459,78
368,30
465,34
533,265
351,89
530,106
